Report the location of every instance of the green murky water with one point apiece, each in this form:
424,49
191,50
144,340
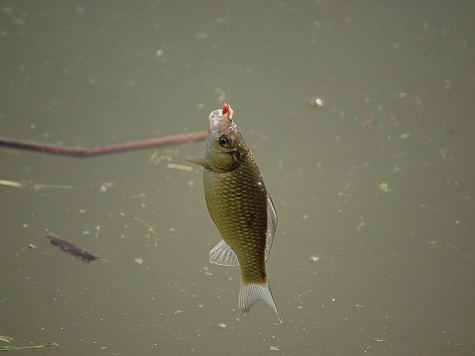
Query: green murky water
374,189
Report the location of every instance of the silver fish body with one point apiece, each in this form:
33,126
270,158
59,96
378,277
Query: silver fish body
240,206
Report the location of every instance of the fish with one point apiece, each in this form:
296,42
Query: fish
240,206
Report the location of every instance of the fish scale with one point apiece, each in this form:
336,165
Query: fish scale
240,216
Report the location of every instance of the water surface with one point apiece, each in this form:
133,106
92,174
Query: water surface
375,243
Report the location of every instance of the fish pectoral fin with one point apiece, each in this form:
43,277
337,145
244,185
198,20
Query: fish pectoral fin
197,160
222,255
250,294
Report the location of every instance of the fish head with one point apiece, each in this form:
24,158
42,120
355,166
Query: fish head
225,144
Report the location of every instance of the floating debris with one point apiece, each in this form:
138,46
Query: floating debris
384,187
10,183
150,234
206,271
6,338
105,186
34,186
315,102
72,249
179,166
370,123
15,348
157,157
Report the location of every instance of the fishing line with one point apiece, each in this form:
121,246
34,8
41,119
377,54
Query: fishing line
228,51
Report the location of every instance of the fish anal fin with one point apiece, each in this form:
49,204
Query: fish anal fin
222,255
250,294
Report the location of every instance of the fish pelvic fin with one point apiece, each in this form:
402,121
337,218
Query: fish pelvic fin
250,294
222,255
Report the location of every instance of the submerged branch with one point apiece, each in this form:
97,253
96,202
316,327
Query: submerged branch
100,150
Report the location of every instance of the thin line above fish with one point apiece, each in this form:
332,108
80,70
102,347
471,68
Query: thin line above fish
240,206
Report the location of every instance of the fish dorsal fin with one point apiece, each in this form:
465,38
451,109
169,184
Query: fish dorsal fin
271,226
222,255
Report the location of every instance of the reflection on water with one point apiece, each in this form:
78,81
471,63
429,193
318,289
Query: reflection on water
374,188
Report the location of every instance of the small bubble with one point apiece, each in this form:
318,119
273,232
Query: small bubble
159,53
314,258
315,102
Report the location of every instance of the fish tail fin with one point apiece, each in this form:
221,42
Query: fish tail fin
250,294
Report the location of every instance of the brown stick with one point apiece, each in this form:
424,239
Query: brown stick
72,249
100,150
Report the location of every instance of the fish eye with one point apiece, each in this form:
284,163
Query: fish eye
225,141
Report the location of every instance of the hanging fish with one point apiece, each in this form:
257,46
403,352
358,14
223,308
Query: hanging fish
240,207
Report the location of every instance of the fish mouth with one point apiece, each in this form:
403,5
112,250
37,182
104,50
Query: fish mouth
218,121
